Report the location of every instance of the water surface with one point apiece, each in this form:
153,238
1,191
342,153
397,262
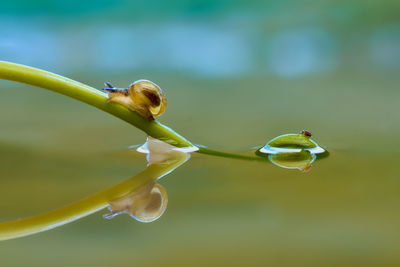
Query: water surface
56,151
236,75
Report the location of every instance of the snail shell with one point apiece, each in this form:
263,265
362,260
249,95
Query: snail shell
149,95
142,96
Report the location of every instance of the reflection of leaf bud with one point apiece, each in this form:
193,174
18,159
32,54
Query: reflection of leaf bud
300,160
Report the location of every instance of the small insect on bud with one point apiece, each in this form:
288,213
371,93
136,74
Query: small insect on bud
306,133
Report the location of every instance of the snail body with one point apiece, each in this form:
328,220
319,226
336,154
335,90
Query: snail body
142,96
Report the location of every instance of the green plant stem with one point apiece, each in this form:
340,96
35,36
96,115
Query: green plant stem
89,95
213,152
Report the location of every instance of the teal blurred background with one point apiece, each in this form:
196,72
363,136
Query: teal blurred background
236,74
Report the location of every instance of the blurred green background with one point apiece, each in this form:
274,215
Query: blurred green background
236,74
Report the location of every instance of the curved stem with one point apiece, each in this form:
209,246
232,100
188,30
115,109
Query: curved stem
89,95
98,99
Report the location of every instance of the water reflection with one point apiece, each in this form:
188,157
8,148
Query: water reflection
144,199
297,160
139,196
146,204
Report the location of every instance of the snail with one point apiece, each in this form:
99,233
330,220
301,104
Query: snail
142,96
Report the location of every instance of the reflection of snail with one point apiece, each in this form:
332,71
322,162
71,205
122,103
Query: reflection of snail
149,202
138,196
298,160
142,96
145,205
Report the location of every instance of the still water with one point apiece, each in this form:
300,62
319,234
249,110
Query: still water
344,210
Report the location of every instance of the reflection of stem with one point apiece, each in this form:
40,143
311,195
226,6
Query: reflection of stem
84,207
